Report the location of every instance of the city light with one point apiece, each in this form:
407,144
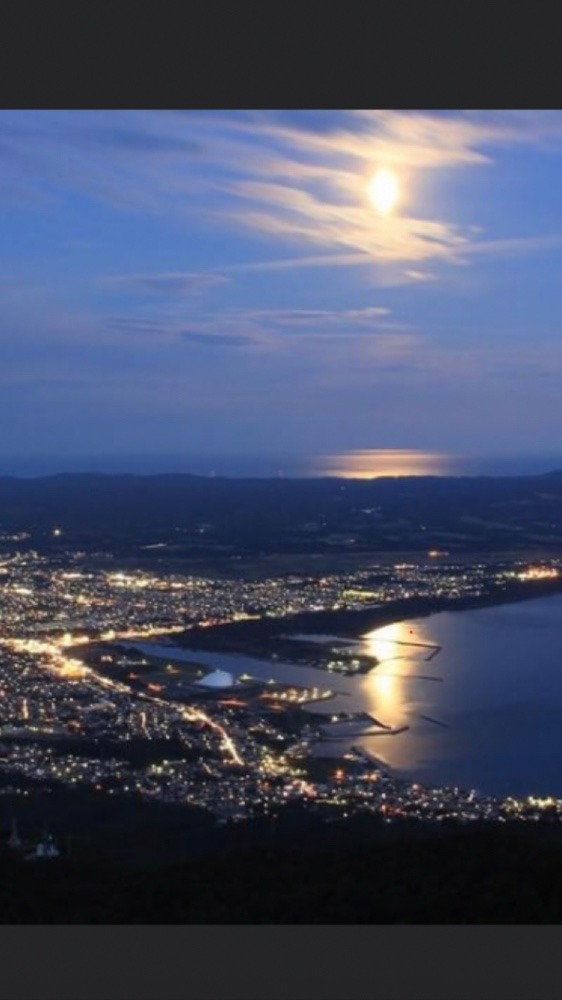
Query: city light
76,656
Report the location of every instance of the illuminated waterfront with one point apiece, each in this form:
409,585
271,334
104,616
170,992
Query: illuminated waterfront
96,692
480,692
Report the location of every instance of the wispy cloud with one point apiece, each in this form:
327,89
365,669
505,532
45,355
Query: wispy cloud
216,339
265,329
514,246
308,186
291,263
296,178
318,319
167,284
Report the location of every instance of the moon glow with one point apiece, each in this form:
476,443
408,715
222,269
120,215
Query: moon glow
383,190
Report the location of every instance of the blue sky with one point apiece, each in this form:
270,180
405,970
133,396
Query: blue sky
189,282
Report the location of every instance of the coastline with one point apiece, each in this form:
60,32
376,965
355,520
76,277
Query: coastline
262,635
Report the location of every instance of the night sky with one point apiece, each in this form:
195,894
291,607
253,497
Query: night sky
236,282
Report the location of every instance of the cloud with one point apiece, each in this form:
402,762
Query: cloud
307,185
515,246
419,275
287,325
167,284
130,139
297,179
317,318
264,329
137,131
216,339
306,218
134,324
311,260
129,159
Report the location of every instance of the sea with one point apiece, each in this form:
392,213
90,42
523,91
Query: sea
476,696
359,463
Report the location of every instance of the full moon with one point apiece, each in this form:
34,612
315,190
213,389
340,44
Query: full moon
383,191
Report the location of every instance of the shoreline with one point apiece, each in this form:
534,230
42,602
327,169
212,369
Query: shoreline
261,636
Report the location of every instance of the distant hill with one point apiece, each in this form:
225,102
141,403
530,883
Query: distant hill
218,516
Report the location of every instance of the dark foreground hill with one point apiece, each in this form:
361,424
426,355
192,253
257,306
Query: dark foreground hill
485,875
191,515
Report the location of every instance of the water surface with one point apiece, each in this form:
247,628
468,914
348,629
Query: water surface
494,722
